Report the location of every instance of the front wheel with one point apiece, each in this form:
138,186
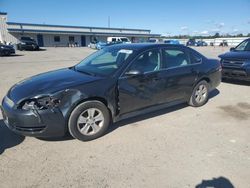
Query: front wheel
89,120
200,94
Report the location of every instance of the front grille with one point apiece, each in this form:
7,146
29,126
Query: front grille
232,63
30,129
242,74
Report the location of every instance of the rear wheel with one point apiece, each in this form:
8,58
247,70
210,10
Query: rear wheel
89,120
199,95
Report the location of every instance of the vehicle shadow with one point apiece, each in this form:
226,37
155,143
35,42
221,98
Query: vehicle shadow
42,49
13,55
66,137
237,82
8,139
167,110
213,93
145,116
220,182
16,55
30,50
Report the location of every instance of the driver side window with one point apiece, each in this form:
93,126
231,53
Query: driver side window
147,62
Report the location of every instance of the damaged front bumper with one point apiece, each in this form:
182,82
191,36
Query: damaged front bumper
37,123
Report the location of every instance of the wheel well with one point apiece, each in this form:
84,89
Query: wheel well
203,79
206,79
104,101
94,99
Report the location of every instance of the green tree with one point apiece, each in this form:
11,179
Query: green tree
216,35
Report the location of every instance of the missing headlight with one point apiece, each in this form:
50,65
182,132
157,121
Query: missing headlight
40,103
48,102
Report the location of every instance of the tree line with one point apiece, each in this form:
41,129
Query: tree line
216,35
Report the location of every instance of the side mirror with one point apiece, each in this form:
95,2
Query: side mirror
133,73
232,49
198,60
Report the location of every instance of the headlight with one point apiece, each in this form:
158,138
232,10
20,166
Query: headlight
40,103
2,47
23,43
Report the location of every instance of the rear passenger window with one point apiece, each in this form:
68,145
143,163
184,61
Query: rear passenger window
175,58
148,61
195,58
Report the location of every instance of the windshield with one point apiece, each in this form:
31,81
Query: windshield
124,39
244,46
104,62
27,38
151,40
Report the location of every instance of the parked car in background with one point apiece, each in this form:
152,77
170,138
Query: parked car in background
92,45
153,40
27,43
236,63
118,40
191,42
6,50
114,83
171,42
100,45
223,43
201,43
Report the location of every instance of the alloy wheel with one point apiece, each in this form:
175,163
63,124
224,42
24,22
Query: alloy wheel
90,121
201,94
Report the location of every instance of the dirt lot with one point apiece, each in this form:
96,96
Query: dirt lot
178,147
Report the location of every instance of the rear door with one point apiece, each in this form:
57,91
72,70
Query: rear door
179,73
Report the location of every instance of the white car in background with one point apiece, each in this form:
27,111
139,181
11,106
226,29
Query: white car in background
118,40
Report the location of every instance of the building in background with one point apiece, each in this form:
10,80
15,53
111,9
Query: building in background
61,35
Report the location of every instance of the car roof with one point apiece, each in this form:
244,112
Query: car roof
141,46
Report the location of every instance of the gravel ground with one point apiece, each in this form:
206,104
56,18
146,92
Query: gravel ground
177,147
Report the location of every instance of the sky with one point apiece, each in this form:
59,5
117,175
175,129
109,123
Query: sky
166,17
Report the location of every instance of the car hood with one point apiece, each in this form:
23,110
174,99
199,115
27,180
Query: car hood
47,83
7,46
236,55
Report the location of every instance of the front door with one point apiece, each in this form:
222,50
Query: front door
40,40
83,40
138,91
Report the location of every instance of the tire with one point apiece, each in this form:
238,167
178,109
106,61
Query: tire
7,53
89,120
21,48
200,94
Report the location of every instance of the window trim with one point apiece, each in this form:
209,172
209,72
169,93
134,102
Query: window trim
185,51
123,75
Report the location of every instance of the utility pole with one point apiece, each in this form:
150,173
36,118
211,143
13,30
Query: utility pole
108,21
